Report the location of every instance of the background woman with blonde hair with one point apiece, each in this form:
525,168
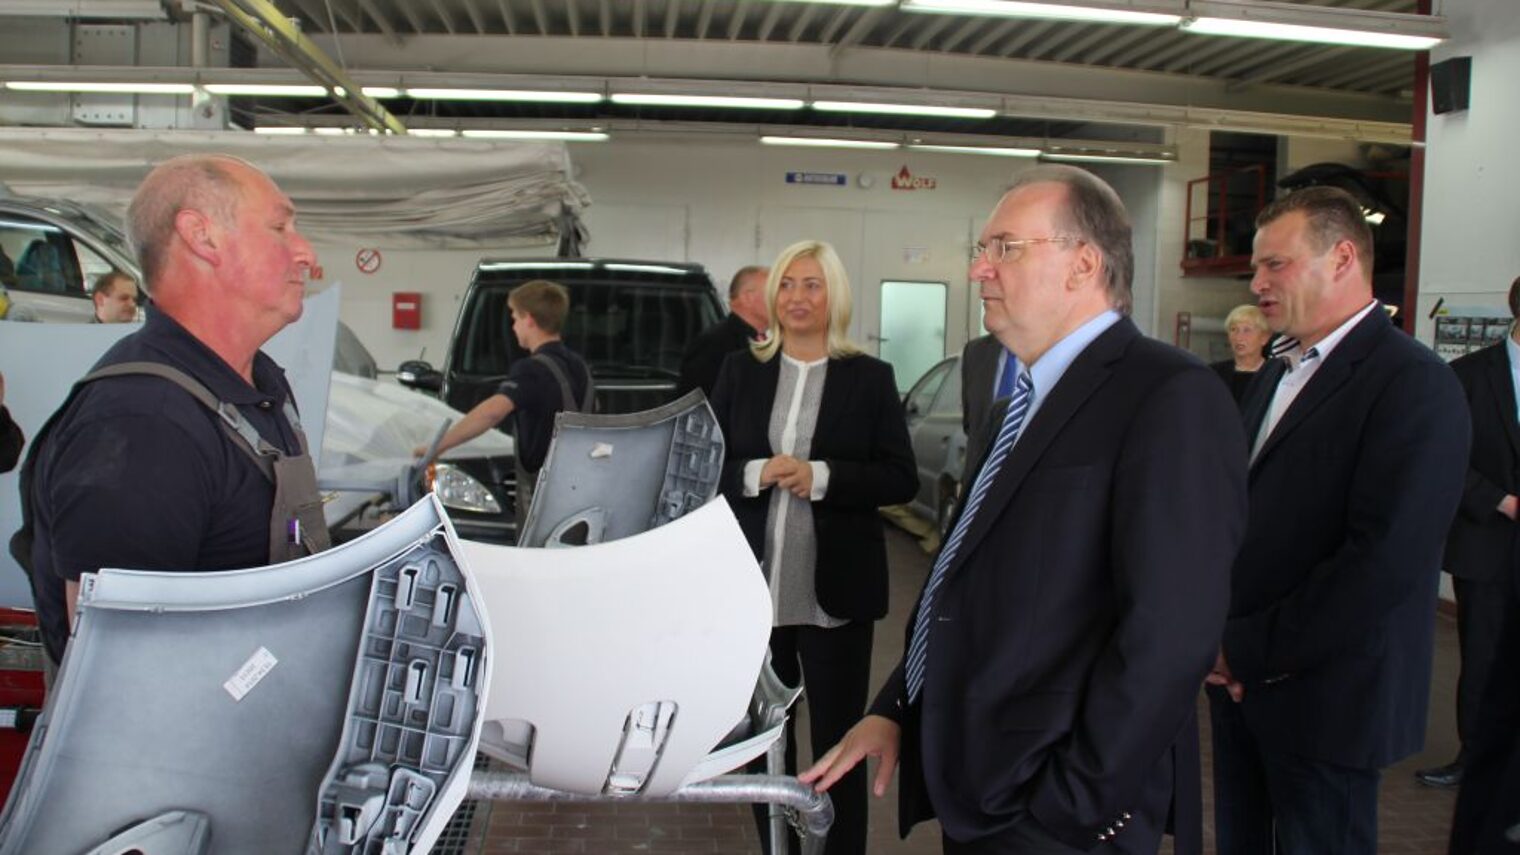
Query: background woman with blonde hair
1248,331
816,442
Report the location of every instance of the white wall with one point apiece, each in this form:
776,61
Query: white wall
724,204
738,210
1469,251
440,276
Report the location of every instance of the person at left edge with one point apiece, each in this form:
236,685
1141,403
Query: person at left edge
137,469
816,442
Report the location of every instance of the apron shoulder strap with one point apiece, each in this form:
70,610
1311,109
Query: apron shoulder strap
567,395
247,437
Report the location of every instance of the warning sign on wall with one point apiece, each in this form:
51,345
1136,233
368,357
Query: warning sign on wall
367,260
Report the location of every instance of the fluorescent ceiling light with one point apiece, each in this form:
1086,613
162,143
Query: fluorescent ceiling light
86,9
1106,158
843,2
536,265
904,109
1254,29
822,142
568,136
274,89
332,132
535,95
99,87
279,130
639,99
644,268
979,149
381,91
1092,13
432,132
1262,19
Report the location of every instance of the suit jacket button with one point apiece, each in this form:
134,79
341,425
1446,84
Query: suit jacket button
1125,815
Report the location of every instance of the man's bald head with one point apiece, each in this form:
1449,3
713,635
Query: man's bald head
210,184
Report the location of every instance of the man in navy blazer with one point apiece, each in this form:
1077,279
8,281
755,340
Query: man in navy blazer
1076,607
1480,548
1360,439
1481,557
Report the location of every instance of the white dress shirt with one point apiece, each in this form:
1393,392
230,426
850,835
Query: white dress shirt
1302,366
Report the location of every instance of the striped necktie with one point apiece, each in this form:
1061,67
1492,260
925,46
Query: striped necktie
1013,421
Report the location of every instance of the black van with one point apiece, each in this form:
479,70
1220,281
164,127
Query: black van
630,321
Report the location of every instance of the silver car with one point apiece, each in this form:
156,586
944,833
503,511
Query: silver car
50,252
939,441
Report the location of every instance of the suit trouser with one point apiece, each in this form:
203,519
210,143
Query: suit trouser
1489,802
1480,620
834,667
1267,801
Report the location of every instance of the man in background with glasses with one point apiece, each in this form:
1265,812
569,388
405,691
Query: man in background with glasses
1046,701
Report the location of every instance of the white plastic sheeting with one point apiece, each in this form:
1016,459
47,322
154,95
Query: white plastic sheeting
414,192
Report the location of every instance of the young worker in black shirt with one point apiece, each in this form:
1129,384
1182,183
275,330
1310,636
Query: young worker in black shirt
553,379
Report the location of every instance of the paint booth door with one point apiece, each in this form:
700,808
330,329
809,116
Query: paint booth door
639,232
910,247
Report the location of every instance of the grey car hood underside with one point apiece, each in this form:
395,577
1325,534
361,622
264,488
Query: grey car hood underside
327,705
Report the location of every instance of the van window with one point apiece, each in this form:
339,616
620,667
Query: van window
621,328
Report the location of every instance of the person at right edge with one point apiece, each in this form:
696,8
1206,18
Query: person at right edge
1048,699
1361,439
1482,541
1480,548
816,443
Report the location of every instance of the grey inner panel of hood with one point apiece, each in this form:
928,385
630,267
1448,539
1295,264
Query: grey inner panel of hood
243,725
612,476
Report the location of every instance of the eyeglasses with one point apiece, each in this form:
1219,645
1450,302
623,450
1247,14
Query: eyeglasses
1000,249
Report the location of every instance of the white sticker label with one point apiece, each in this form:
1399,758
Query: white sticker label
248,676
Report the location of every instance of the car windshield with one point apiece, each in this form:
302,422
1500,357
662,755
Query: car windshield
623,329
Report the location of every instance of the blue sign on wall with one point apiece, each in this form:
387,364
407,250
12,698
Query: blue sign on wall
830,179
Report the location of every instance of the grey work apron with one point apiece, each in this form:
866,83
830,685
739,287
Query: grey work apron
525,482
296,526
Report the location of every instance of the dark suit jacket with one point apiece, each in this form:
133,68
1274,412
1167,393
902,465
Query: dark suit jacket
1481,544
979,365
1334,600
863,436
11,441
705,354
1083,610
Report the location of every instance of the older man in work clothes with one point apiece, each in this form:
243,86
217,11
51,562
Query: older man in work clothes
139,469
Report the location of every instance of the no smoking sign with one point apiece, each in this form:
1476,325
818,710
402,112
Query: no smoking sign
367,260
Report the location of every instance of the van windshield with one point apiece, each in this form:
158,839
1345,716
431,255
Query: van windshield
623,329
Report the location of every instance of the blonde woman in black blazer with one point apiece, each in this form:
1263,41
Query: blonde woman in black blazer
817,441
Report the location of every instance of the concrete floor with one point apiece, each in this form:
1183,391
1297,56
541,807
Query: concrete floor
1413,819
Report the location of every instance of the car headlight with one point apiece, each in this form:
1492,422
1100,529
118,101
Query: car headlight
458,489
